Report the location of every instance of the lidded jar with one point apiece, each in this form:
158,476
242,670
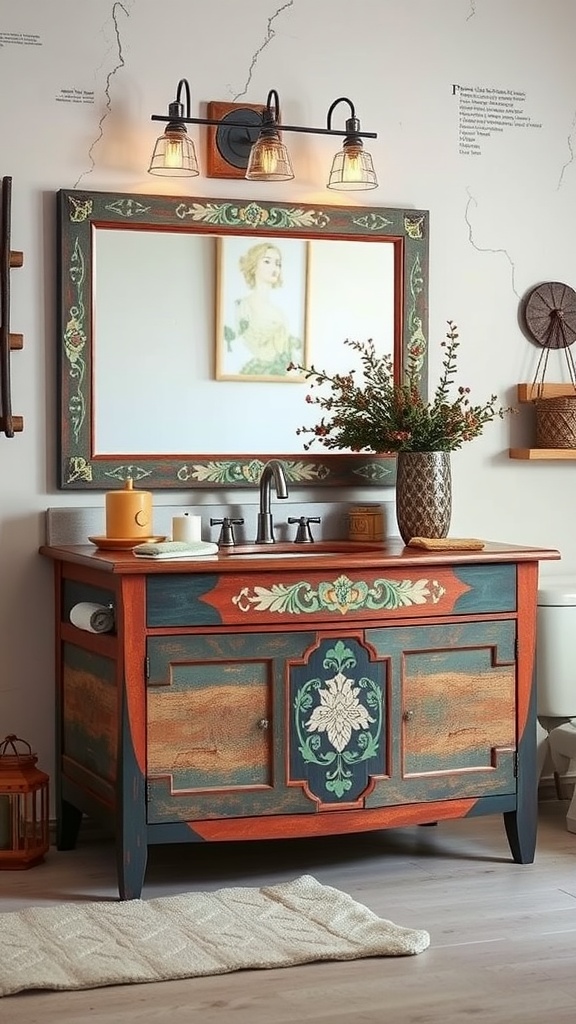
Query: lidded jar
128,513
366,523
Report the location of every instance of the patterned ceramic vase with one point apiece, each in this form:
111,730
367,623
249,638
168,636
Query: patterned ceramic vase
423,494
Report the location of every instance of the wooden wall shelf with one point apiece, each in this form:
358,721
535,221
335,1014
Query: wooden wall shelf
529,393
540,454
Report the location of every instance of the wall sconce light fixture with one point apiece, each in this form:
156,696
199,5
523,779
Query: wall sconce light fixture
174,154
352,167
268,159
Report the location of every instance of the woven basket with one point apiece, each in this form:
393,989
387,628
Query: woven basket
556,422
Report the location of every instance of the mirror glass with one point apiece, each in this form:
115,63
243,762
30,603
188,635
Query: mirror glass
178,318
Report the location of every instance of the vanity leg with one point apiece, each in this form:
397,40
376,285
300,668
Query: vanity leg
131,869
521,833
521,825
67,826
131,825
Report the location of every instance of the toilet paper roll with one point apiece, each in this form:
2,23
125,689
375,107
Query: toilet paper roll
94,618
187,527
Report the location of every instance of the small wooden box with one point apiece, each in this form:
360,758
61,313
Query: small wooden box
366,523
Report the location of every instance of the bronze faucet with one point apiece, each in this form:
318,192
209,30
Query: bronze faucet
273,470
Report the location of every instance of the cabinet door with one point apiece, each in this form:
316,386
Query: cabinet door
454,711
215,726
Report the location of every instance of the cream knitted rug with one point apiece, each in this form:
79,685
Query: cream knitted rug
88,945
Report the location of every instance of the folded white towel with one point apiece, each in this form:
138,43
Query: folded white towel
176,549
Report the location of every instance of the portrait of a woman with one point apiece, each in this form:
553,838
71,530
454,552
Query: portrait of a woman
262,321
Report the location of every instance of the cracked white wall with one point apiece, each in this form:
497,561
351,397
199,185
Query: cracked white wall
78,85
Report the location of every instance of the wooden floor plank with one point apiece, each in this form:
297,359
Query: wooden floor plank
503,946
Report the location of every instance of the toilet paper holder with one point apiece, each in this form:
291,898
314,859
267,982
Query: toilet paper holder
93,617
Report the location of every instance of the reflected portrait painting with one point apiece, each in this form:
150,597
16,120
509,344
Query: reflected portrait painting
261,309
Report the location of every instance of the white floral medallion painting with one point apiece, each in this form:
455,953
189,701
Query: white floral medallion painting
337,740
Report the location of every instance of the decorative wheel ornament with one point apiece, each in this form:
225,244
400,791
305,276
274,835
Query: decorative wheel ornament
550,315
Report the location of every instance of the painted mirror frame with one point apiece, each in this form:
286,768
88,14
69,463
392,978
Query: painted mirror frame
79,212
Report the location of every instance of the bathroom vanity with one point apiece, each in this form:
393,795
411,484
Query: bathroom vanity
279,691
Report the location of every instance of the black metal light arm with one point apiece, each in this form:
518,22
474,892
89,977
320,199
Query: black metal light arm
353,133
341,99
175,114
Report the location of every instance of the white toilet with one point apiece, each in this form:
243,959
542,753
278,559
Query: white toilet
556,678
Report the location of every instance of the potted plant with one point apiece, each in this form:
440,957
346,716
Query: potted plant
382,414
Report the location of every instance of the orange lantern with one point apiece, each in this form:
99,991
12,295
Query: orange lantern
24,837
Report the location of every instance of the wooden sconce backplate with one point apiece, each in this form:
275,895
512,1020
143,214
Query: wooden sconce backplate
228,150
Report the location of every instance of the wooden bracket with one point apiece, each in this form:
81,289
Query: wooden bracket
532,392
9,259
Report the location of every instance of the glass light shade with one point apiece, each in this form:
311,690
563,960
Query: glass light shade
352,170
174,156
269,160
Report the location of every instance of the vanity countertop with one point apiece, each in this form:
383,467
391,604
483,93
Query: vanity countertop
252,558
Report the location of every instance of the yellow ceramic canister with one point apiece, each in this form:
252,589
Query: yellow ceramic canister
128,513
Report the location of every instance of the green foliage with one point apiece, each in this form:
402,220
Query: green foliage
382,415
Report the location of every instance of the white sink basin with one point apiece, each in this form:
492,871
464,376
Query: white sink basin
284,554
284,549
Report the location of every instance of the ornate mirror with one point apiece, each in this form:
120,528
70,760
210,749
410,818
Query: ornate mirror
172,350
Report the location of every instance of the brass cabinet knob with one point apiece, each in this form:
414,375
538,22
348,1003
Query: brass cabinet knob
408,715
263,724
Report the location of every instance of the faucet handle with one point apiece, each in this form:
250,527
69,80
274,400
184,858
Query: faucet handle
226,538
304,533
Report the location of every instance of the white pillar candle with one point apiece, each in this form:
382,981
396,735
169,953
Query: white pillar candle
187,527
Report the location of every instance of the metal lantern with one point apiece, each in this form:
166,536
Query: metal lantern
24,837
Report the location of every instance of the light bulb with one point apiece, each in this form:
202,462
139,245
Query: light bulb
353,164
173,152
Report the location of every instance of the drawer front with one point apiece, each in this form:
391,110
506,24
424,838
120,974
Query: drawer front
277,597
178,600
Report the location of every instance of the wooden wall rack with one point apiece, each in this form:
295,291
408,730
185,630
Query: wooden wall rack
9,424
529,393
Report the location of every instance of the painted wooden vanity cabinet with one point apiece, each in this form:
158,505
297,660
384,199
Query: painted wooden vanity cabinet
268,697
